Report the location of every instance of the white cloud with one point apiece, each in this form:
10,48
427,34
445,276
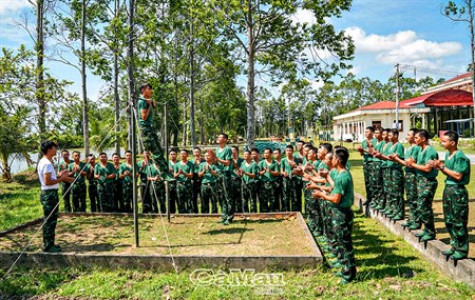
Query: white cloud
401,47
12,6
304,16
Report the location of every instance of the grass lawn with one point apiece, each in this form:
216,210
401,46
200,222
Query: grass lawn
388,268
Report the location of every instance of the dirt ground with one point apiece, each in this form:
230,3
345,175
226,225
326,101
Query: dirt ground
187,236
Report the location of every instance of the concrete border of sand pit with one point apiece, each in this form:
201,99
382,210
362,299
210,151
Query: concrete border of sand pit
462,270
164,262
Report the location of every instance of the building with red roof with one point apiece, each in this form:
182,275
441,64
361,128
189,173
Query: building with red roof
448,105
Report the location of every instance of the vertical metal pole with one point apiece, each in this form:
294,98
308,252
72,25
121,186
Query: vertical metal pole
167,190
133,121
397,96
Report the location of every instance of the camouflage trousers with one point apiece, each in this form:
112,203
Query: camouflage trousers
225,200
376,181
386,174
455,204
196,192
236,194
184,194
410,186
425,195
145,196
105,195
330,232
127,196
93,198
208,196
172,194
396,192
343,226
66,195
118,198
313,212
78,195
151,143
367,170
157,195
250,194
279,193
267,199
49,200
290,193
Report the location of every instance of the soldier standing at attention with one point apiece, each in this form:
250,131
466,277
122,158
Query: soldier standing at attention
249,172
65,185
49,193
208,172
157,189
290,179
144,183
426,184
126,175
340,200
366,150
197,161
279,194
455,197
410,180
172,184
224,156
395,198
118,201
105,174
377,177
183,172
269,172
236,194
92,188
148,133
77,170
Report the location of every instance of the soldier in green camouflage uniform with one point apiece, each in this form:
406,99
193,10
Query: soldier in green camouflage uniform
410,179
65,186
291,179
313,206
183,172
78,190
148,133
455,197
143,169
323,150
279,190
340,200
426,185
236,187
157,189
376,177
366,150
118,199
385,172
249,171
256,158
172,194
224,156
104,172
49,193
197,161
126,176
395,199
209,173
92,187
269,171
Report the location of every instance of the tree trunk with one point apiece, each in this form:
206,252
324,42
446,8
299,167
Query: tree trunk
251,119
40,89
7,176
192,82
116,82
83,78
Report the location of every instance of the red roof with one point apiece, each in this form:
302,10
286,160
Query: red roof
442,98
459,77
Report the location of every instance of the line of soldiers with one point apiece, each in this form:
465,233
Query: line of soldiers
385,180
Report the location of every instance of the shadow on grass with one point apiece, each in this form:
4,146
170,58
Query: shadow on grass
227,231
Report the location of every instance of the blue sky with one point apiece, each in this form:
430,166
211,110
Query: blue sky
386,32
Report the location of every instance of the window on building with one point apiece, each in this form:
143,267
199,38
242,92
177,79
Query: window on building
376,124
401,125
